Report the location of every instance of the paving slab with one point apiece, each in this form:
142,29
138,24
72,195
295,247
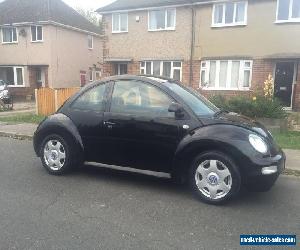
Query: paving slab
18,130
292,159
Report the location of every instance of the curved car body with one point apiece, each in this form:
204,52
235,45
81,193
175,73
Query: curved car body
157,124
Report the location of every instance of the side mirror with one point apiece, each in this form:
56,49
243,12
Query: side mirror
177,109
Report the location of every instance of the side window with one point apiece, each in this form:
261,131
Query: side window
91,100
138,98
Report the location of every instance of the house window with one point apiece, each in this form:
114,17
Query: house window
288,10
36,33
90,41
229,14
162,19
9,35
121,69
226,74
97,75
119,22
91,75
171,69
39,75
13,75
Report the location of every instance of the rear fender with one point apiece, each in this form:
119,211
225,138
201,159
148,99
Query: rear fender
56,124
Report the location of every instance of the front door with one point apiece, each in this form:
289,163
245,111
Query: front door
141,133
284,78
121,69
87,113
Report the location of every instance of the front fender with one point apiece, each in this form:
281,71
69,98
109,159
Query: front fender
56,123
229,139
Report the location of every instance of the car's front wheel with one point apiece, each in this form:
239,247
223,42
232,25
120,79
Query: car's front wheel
214,177
57,154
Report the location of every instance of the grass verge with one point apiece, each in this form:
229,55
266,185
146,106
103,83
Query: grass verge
288,139
22,118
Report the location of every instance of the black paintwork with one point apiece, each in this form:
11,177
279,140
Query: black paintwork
159,144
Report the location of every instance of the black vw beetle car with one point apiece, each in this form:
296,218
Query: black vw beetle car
158,124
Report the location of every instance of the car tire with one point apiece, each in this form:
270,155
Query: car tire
214,178
58,154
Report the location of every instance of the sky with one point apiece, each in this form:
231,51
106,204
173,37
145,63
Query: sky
88,4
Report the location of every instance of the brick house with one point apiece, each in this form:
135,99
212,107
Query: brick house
216,46
46,43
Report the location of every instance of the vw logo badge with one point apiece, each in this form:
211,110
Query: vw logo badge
213,179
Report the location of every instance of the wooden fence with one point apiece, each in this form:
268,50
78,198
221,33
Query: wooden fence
49,100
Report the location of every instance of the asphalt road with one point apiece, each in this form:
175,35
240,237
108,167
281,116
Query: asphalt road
97,208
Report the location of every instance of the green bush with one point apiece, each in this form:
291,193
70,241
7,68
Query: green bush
257,107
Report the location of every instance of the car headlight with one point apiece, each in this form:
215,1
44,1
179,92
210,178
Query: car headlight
258,143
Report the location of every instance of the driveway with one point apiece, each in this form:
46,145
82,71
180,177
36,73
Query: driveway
97,208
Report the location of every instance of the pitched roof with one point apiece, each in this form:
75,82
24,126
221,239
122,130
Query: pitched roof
136,4
19,11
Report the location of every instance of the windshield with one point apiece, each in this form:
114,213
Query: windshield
2,83
198,103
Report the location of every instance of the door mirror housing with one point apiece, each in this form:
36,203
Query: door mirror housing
177,109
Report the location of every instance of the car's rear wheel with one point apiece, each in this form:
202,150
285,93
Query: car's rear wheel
214,177
57,154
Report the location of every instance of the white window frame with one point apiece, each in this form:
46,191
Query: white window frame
98,72
161,67
92,39
36,34
234,23
91,75
112,23
16,79
206,70
290,18
15,85
17,35
166,20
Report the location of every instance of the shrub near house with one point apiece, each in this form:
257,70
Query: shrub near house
259,105
254,107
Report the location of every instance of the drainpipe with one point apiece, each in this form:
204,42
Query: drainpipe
192,46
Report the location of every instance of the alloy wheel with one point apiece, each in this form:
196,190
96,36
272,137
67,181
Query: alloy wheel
54,155
213,179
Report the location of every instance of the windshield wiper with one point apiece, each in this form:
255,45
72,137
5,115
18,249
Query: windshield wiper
221,111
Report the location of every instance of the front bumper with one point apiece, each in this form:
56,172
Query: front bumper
261,177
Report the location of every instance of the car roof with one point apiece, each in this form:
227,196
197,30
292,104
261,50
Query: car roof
149,78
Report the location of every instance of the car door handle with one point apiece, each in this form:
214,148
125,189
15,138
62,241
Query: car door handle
109,124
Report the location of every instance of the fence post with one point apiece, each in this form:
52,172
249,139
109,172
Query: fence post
56,99
36,102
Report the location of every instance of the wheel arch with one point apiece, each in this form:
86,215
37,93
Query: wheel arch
183,159
57,124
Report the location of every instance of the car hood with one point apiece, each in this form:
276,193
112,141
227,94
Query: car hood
238,120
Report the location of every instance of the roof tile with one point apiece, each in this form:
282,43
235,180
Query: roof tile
19,11
135,4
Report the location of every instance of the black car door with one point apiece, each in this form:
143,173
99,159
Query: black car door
140,132
87,113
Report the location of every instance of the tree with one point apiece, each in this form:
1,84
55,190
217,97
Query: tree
90,15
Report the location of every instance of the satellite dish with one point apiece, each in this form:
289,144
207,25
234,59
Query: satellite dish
23,33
